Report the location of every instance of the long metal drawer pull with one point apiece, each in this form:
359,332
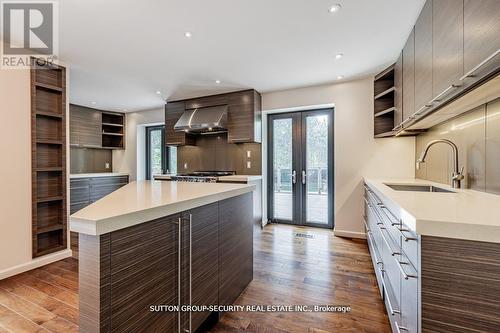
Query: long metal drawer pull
481,64
400,328
438,97
179,248
377,260
393,253
190,269
402,230
391,309
400,266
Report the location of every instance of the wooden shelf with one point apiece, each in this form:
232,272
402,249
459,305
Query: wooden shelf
49,250
47,199
48,86
386,73
49,142
49,228
384,135
381,113
49,169
49,114
114,134
111,124
385,92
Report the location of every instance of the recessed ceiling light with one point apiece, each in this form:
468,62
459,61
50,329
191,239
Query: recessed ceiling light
158,92
124,110
93,103
217,81
335,8
188,34
339,55
340,77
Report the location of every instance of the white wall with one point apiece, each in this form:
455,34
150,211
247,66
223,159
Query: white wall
132,159
15,176
357,153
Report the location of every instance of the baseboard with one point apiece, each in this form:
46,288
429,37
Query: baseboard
35,263
349,234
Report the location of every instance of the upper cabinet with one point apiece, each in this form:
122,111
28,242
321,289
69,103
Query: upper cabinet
409,76
85,126
452,49
173,111
447,46
423,57
91,128
481,31
398,91
243,118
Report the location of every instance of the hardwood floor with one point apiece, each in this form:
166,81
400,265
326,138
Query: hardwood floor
322,270
317,269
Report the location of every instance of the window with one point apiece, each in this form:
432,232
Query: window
159,159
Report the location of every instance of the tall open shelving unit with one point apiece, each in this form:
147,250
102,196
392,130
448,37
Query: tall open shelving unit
48,158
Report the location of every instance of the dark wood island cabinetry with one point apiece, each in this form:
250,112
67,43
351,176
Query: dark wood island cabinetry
200,256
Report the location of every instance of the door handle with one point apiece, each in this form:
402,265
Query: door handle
294,177
304,177
179,261
190,269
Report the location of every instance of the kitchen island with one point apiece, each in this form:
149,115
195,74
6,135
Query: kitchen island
154,243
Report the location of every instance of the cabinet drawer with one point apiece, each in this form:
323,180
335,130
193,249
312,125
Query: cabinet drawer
409,303
378,265
109,180
393,310
73,208
79,194
79,182
409,245
98,192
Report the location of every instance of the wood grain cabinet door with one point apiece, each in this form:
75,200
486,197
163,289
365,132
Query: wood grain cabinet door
423,57
173,111
447,44
204,260
143,275
235,247
241,117
481,31
398,93
409,76
85,126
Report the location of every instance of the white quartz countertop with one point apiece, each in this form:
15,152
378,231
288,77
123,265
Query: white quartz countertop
465,214
146,200
99,174
233,178
240,178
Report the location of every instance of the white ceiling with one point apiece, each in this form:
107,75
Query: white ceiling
122,51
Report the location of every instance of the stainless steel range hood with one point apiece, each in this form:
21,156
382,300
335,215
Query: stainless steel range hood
201,120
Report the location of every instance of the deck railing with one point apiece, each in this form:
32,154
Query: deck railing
317,180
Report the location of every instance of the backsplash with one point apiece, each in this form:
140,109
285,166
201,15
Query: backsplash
477,136
213,152
89,160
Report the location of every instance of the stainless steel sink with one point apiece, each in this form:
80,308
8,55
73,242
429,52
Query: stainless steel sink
418,188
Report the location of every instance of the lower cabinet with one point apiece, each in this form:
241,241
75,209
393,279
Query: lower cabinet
201,277
235,247
397,276
84,191
199,257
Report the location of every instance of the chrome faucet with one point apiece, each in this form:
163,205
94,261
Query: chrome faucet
456,176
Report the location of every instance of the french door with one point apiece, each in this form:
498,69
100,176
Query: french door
301,168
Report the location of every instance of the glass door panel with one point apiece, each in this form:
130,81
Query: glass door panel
315,174
155,151
301,168
282,169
